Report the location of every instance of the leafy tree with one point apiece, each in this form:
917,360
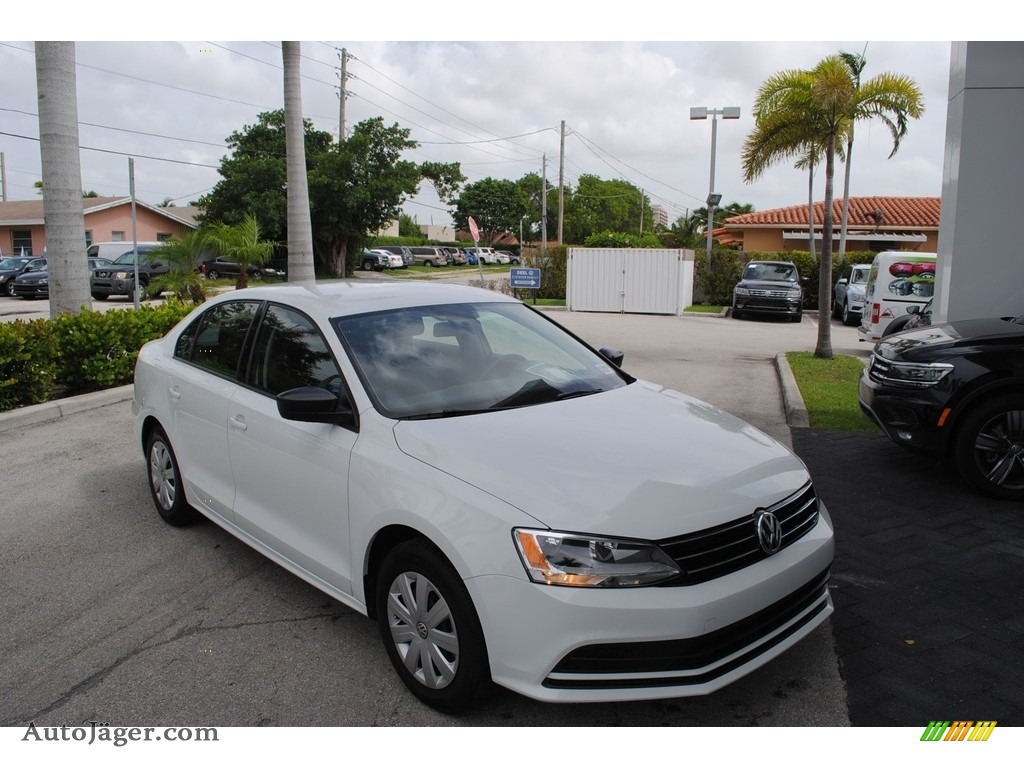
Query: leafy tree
355,187
497,205
182,254
597,205
407,226
241,243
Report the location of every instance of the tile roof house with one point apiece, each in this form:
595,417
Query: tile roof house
874,224
106,219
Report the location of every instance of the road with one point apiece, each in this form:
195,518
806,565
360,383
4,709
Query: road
111,615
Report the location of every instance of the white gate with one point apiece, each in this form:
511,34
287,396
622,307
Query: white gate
639,280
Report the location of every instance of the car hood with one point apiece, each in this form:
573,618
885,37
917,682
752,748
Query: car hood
640,461
768,285
961,333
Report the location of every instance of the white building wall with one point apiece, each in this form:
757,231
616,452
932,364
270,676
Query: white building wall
980,262
639,280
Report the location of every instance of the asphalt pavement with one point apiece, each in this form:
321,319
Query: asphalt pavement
927,579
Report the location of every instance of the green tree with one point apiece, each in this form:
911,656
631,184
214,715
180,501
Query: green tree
407,226
795,109
355,187
598,205
497,205
182,254
241,243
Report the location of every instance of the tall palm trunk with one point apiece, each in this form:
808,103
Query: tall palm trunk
810,206
824,345
846,194
300,227
62,177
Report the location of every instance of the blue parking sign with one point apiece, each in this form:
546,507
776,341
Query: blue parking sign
523,277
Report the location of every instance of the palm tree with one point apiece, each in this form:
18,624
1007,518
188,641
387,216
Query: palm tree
891,97
62,177
300,228
795,109
182,254
242,244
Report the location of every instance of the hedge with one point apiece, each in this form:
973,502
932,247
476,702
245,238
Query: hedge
71,354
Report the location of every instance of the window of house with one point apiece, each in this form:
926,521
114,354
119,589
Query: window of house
117,236
163,237
22,239
88,238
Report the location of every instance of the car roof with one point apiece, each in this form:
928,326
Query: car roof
353,297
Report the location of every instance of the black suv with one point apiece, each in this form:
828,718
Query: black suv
118,277
957,390
769,288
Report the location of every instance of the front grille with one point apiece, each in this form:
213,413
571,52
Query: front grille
714,552
772,294
676,661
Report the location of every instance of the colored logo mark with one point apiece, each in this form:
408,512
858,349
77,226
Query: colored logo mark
958,730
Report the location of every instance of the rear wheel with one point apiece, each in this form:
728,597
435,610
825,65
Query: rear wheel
165,483
9,288
213,274
368,265
989,447
847,317
737,314
430,628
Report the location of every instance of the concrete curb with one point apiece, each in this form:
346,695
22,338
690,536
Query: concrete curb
792,400
56,409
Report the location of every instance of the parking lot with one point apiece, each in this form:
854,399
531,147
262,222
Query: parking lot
111,615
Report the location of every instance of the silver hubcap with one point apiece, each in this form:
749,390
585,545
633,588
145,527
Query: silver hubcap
161,475
423,630
999,450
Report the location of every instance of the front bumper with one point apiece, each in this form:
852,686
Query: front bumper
563,644
32,290
907,417
767,305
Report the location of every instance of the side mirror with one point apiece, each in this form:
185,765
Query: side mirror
316,405
843,281
913,309
613,356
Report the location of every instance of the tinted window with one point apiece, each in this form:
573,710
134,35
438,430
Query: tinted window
290,352
216,339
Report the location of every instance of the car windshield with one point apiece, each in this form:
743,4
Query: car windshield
457,359
13,263
770,272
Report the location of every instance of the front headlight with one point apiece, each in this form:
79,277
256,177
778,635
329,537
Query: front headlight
121,275
582,560
741,291
915,375
793,293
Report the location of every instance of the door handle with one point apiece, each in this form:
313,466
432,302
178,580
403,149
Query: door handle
238,422
174,392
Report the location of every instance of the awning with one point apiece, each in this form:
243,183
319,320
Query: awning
893,237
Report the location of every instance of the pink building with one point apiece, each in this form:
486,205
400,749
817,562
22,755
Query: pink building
106,219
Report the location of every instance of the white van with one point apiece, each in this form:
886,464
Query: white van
111,250
897,280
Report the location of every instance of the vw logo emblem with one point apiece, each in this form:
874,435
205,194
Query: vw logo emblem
769,531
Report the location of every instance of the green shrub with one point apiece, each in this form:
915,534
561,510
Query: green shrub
77,353
552,268
28,363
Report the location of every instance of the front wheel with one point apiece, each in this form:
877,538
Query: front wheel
430,628
9,288
367,265
989,447
213,274
847,317
165,482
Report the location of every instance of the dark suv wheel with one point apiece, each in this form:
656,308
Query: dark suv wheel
989,447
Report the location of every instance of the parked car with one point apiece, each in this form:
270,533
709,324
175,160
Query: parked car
848,294
373,261
111,249
956,390
660,547
512,258
391,260
769,288
221,266
402,250
118,277
429,256
456,255
13,266
36,283
481,254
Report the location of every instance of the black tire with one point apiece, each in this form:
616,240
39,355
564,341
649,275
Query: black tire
9,288
737,314
989,447
847,317
367,265
165,482
799,316
213,274
99,296
414,578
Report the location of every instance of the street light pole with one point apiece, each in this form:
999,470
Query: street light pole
701,113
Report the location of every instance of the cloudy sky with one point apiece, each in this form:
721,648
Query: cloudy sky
492,105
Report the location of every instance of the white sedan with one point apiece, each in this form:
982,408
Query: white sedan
647,545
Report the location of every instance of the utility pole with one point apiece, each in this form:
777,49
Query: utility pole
544,205
344,85
3,178
561,183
